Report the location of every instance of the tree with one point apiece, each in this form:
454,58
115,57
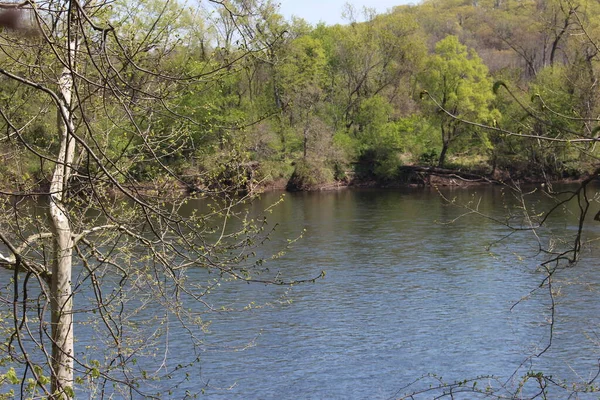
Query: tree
301,77
457,85
374,58
107,69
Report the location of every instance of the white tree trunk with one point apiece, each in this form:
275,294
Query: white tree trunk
61,290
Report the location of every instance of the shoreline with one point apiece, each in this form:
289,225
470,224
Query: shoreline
420,176
409,177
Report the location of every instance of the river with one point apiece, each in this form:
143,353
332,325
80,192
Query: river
409,290
407,293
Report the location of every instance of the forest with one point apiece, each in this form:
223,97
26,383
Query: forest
465,85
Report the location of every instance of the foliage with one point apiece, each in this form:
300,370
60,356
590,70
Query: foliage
457,87
338,93
308,175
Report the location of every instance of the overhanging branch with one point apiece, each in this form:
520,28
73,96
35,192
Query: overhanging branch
16,260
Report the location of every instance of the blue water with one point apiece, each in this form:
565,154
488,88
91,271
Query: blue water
410,290
406,294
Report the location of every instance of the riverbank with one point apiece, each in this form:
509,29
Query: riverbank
424,176
409,176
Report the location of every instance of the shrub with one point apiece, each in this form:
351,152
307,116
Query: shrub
308,175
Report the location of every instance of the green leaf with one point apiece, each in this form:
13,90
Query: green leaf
11,376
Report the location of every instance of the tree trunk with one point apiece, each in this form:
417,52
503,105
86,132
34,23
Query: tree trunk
306,130
305,142
559,36
442,160
445,144
61,291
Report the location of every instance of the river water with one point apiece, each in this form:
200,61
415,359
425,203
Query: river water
410,290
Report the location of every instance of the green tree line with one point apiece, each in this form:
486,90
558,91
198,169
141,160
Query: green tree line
309,105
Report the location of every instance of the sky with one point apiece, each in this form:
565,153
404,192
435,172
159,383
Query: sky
330,11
